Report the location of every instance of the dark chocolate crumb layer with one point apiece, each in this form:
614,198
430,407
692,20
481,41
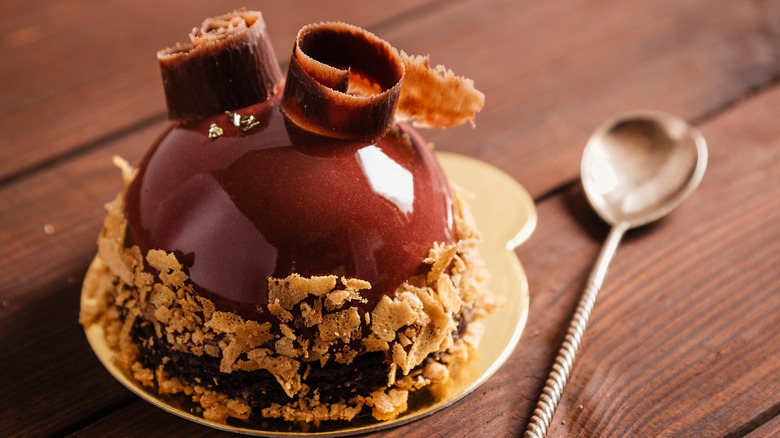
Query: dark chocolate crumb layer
332,382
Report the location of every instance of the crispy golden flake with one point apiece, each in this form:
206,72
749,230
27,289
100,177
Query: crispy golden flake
287,291
162,261
244,123
279,311
390,315
440,257
224,322
337,298
311,315
340,325
388,405
215,131
321,285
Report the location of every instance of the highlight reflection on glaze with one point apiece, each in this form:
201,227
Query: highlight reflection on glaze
277,200
387,178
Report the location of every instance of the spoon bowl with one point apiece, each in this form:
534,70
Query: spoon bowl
639,166
636,168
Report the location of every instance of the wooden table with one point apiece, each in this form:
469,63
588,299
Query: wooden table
685,338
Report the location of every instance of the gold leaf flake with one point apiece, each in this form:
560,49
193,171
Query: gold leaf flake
245,123
215,131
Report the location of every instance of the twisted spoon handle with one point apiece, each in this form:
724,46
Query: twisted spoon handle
559,375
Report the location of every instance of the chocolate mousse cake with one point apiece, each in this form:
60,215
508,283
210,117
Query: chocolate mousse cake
290,247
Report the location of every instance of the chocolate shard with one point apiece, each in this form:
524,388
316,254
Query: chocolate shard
228,64
342,82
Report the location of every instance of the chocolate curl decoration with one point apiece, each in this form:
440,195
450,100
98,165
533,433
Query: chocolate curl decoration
342,82
229,64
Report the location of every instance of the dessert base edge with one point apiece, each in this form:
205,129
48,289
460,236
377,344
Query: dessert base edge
506,216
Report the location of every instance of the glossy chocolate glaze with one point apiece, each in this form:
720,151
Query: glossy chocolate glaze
277,200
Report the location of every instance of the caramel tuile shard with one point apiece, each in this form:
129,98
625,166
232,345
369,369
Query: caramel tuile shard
228,64
436,97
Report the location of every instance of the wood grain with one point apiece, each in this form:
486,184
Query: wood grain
52,382
685,339
69,197
767,430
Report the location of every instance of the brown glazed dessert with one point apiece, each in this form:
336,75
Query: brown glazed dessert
290,248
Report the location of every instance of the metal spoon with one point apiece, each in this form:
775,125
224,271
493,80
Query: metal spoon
636,168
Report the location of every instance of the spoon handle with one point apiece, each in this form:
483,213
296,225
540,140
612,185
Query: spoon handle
559,375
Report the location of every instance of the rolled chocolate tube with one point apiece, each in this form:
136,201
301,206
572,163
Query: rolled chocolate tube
229,64
343,82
